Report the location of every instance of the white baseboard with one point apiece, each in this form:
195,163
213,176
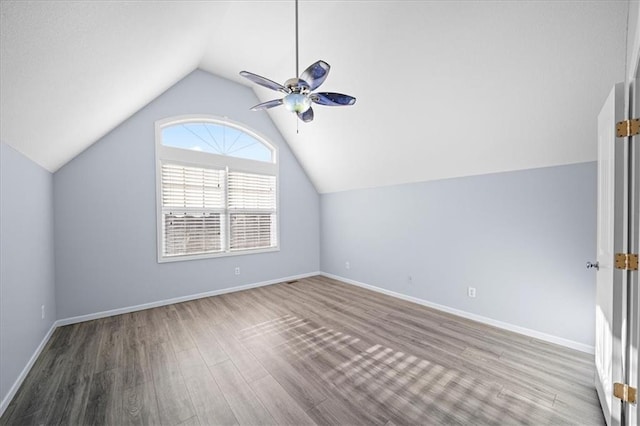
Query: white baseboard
506,326
485,320
81,318
23,374
125,310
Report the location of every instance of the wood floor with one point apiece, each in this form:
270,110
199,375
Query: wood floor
314,351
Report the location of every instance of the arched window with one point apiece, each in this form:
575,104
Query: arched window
217,191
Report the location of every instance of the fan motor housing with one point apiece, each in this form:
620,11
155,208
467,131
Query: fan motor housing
297,85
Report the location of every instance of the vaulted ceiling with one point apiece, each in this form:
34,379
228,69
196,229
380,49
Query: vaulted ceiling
444,88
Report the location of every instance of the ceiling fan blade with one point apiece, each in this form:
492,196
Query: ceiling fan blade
265,82
267,105
306,116
332,99
316,74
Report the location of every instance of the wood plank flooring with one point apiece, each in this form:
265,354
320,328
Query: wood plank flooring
313,351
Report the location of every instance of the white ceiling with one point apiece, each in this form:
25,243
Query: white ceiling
444,88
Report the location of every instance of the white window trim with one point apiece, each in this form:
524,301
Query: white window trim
204,159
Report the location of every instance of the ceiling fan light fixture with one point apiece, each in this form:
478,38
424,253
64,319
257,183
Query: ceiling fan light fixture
296,102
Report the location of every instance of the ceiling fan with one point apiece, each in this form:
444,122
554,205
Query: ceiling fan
299,90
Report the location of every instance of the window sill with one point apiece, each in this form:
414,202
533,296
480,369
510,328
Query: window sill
169,259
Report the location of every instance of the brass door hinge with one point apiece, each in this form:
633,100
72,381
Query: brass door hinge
625,392
628,128
628,261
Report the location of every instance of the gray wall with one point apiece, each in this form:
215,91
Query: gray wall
633,39
105,211
521,238
26,262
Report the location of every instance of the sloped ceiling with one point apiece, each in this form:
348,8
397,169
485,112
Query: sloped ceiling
444,88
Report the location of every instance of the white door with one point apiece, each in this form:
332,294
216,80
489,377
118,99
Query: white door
610,309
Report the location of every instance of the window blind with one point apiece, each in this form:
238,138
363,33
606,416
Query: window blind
192,187
193,201
252,210
210,210
192,233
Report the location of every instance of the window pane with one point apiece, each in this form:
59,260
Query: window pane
250,231
216,139
192,187
192,233
251,191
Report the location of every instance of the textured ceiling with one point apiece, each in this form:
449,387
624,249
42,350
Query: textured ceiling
444,88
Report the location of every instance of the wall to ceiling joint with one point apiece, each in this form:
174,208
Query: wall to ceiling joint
445,88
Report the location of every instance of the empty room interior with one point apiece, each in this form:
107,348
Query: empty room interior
319,212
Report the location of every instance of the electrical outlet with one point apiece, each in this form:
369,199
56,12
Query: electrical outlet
471,292
42,311
237,270
347,265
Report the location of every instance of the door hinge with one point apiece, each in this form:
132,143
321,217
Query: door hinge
628,261
625,392
628,128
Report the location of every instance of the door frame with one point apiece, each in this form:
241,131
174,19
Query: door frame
631,412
